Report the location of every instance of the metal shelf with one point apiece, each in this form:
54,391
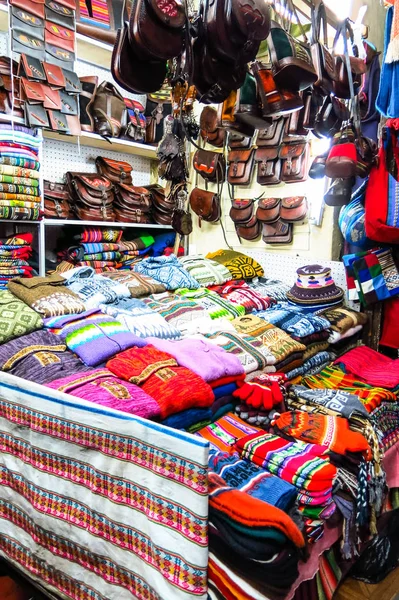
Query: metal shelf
62,222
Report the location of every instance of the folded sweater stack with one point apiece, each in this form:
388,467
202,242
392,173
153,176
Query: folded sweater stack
15,253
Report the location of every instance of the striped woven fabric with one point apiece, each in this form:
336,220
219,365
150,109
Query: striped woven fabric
215,306
100,525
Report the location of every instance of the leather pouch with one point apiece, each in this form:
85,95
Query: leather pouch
238,140
55,76
28,22
269,166
32,91
64,38
60,14
241,211
322,58
31,68
34,7
23,43
293,209
90,190
240,167
211,165
69,104
162,203
56,205
136,121
108,110
268,210
59,56
294,162
72,82
52,99
73,124
116,171
271,135
206,205
277,233
330,117
36,115
249,231
275,102
58,121
130,199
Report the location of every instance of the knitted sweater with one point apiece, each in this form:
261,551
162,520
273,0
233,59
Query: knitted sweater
142,321
240,265
252,354
16,318
239,292
214,305
46,295
94,289
168,271
205,271
138,285
182,313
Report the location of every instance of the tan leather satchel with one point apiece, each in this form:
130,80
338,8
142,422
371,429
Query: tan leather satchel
206,205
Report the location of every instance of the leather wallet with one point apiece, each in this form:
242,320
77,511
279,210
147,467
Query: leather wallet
31,68
32,91
21,43
64,38
277,233
69,104
59,56
55,75
73,124
60,14
52,100
36,115
31,24
72,82
58,121
34,7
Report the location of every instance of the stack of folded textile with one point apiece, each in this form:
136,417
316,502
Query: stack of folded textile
223,433
205,271
345,324
221,370
19,173
132,250
240,293
304,465
139,285
15,252
371,367
251,534
271,288
216,306
16,318
184,314
167,270
301,398
372,276
94,289
287,352
315,289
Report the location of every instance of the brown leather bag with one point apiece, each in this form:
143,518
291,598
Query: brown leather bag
293,209
210,165
294,161
241,164
271,135
206,205
341,86
56,205
211,132
92,195
322,58
116,171
131,198
269,166
161,202
277,233
242,210
249,231
268,210
109,110
275,101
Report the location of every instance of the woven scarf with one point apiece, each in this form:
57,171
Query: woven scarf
223,434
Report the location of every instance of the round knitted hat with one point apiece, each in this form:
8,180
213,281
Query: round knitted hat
314,285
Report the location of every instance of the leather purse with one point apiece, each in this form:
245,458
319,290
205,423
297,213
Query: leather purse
269,166
59,36
293,209
56,77
268,210
27,44
275,101
132,198
277,233
72,82
155,112
294,161
323,60
160,201
330,117
249,231
56,196
108,110
291,61
242,210
206,205
86,98
69,104
136,121
271,135
116,171
240,166
210,130
341,86
210,165
92,194
30,68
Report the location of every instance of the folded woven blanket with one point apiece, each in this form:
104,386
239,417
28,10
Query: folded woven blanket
371,367
47,295
223,433
91,234
19,171
168,271
174,388
14,160
102,387
188,418
337,400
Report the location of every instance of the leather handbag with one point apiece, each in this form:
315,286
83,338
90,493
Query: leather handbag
56,205
210,130
271,135
291,59
249,231
210,165
323,60
206,205
131,198
242,210
91,193
240,166
275,101
341,86
108,110
269,166
116,171
268,210
161,202
155,112
293,209
136,126
86,98
294,161
330,117
277,233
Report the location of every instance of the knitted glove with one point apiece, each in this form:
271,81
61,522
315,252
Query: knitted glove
255,395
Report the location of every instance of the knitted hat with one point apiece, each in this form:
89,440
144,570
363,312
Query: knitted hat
314,285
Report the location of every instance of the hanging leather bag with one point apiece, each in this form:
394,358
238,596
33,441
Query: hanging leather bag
240,166
294,161
242,210
269,166
56,204
210,165
323,60
249,231
206,205
341,85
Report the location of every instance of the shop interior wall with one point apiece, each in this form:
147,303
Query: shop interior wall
310,241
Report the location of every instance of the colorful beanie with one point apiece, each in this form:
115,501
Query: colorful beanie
325,430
